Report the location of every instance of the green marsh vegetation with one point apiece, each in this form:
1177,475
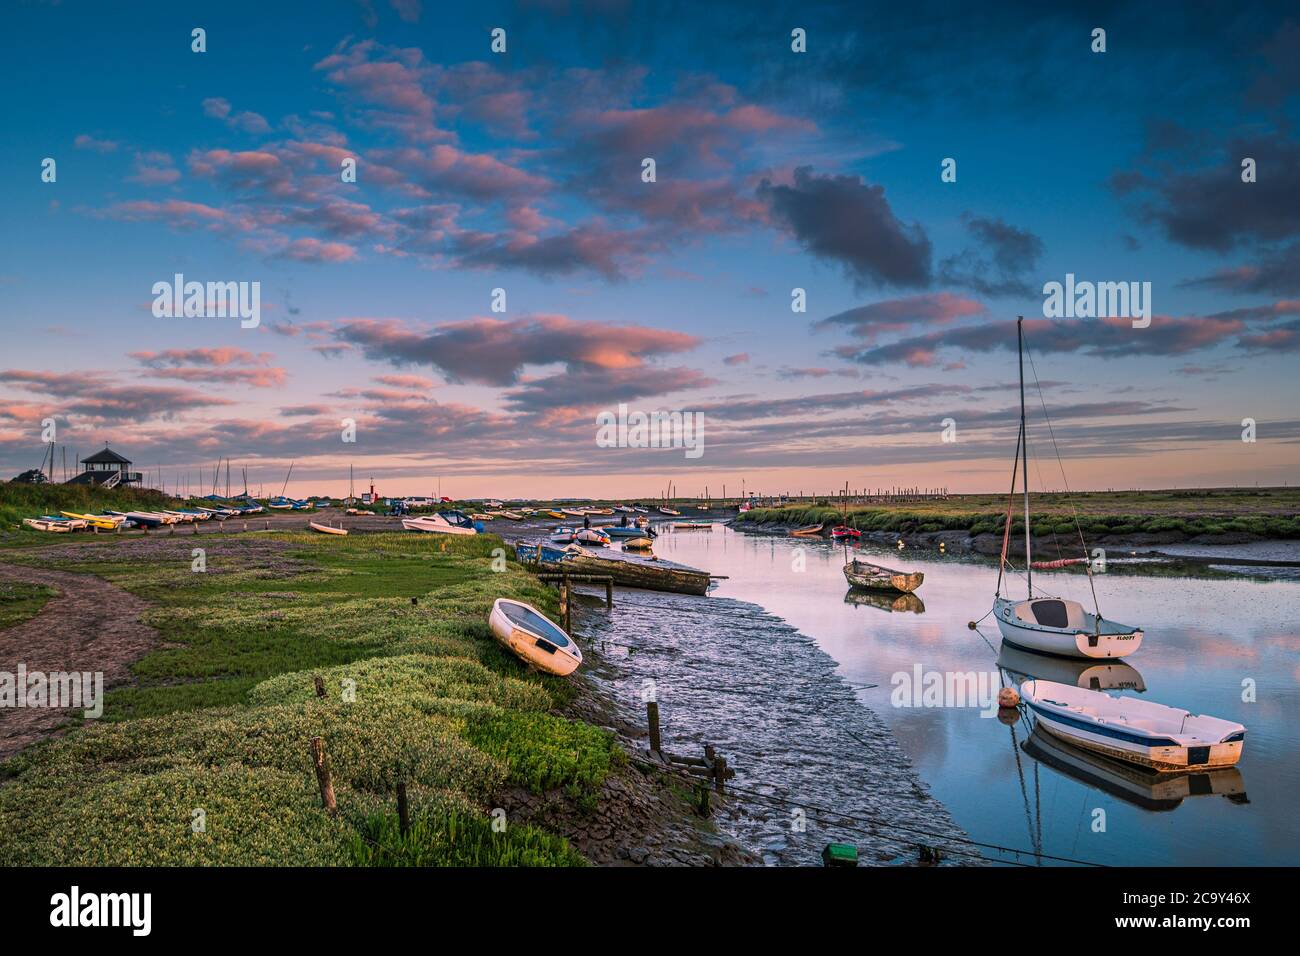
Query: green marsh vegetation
417,691
19,601
1264,512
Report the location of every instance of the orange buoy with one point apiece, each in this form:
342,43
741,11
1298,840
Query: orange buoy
1008,697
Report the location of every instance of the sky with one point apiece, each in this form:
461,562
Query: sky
774,170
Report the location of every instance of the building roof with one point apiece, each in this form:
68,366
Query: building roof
105,457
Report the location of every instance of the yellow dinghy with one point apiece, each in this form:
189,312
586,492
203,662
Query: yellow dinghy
95,521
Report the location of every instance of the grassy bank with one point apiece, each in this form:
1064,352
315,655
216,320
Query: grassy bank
19,501
1266,513
218,728
19,601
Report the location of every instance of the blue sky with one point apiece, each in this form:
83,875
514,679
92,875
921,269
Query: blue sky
775,170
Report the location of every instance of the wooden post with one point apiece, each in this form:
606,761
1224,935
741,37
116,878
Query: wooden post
609,592
720,774
320,686
403,811
652,718
323,776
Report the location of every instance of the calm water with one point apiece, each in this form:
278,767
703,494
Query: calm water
1203,639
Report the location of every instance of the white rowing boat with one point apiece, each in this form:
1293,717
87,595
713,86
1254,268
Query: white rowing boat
533,637
326,529
1138,731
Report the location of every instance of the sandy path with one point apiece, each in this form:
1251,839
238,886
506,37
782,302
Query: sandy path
90,625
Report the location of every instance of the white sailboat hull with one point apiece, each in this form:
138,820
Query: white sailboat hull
1081,634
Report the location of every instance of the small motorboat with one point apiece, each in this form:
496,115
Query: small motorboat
564,535
326,529
842,532
624,509
638,544
1137,731
574,512
102,522
510,515
533,637
480,516
862,574
436,524
557,515
809,530
76,524
591,536
692,526
670,512
639,510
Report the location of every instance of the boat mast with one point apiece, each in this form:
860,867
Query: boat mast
1024,450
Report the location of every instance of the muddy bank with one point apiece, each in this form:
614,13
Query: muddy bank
89,625
813,764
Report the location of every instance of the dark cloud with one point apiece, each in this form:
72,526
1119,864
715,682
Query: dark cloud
902,315
998,263
1277,273
848,221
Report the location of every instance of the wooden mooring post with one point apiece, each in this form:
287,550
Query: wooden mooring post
323,776
403,810
652,719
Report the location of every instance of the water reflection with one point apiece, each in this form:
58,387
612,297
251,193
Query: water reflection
1021,665
1130,783
1207,640
898,603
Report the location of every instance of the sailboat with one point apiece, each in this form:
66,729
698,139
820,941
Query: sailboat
1051,625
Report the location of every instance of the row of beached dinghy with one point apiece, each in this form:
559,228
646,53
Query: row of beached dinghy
110,520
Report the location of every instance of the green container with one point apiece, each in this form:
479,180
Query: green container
840,854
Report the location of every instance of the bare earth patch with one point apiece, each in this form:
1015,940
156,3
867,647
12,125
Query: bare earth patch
90,625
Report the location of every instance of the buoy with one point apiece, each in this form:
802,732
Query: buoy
900,544
971,625
1008,697
941,547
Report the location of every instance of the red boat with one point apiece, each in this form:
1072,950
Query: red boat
842,531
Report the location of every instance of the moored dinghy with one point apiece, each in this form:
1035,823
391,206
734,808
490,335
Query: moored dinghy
862,574
1138,731
532,636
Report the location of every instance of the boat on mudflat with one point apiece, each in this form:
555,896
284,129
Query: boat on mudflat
436,524
1137,731
635,571
591,536
808,531
843,532
326,529
538,553
534,637
862,574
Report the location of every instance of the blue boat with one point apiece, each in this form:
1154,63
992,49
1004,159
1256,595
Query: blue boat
544,553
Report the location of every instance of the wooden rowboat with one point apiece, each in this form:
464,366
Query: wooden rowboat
534,637
326,529
810,531
860,574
